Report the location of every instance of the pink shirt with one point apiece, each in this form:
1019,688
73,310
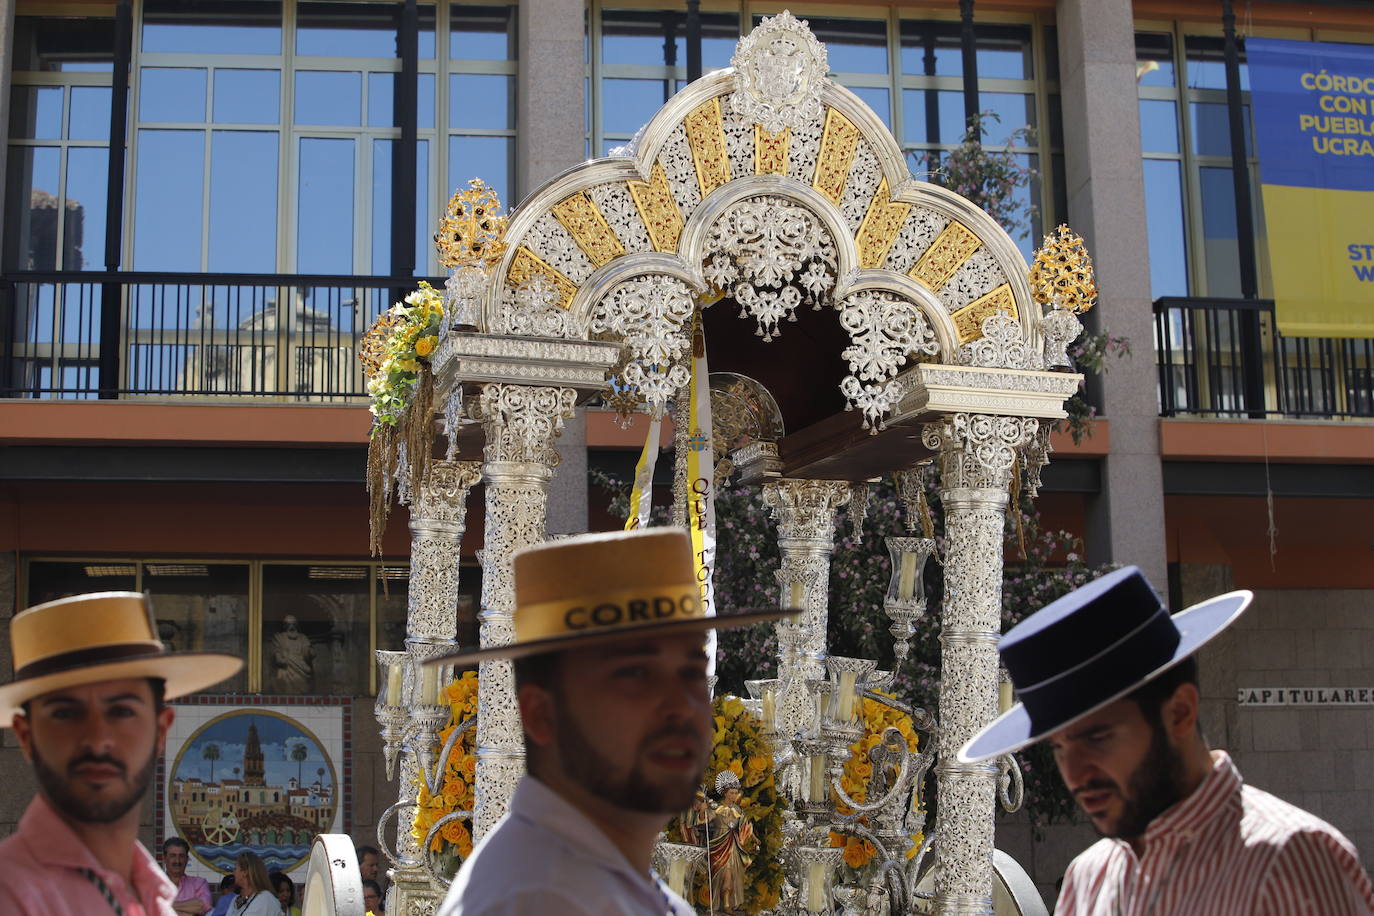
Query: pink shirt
1226,850
194,888
41,873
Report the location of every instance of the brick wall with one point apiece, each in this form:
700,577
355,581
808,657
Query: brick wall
1319,758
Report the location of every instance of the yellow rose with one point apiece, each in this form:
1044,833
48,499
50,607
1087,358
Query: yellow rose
425,345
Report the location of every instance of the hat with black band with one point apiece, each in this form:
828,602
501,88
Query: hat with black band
585,591
1090,648
102,636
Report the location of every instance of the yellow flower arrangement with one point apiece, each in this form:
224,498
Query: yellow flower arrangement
392,351
858,770
739,745
453,843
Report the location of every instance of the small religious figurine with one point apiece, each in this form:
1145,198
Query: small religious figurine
692,826
731,846
293,658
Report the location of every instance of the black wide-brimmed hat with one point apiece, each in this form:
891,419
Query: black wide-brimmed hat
1091,648
593,589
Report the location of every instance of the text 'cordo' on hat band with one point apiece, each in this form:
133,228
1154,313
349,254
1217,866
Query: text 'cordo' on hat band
608,611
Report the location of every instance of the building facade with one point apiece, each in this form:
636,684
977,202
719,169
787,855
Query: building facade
206,203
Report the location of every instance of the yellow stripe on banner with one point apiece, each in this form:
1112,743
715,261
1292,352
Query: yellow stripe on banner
642,496
1321,257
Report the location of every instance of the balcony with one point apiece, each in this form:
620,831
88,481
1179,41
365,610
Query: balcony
294,339
168,335
1226,358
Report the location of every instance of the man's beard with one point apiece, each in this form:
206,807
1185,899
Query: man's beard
58,789
1154,786
587,767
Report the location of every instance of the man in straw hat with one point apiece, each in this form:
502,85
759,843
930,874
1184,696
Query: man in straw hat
1108,678
610,676
87,705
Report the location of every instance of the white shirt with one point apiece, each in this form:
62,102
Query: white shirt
545,857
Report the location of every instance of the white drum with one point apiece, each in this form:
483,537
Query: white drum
333,884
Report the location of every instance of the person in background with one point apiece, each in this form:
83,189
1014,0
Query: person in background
285,889
372,897
1108,680
227,892
370,863
193,893
255,897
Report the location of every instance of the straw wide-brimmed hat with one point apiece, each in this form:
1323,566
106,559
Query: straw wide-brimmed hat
1090,648
103,636
584,591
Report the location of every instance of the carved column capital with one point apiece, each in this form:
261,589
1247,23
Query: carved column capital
521,421
977,451
805,509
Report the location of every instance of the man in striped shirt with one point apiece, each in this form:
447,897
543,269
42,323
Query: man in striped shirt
1107,677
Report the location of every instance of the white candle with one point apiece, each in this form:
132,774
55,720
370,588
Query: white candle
846,706
769,710
393,685
796,591
906,578
815,888
817,787
677,873
1004,696
429,690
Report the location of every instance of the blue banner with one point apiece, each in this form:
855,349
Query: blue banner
1313,109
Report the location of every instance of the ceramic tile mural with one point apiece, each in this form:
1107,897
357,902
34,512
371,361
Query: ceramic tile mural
261,776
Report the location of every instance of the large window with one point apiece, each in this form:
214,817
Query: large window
262,133
59,132
1186,142
908,70
303,627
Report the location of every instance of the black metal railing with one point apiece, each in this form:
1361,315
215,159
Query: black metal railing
261,336
1206,353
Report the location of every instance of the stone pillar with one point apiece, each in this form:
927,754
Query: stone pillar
521,423
549,97
550,91
438,513
1106,197
976,457
805,511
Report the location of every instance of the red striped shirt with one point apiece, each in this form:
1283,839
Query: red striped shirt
1226,849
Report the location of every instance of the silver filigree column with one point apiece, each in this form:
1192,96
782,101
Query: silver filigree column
805,512
521,422
977,453
438,514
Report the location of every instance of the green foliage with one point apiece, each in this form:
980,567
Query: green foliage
988,178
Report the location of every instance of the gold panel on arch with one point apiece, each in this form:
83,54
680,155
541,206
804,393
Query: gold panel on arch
589,229
968,321
526,264
658,209
951,248
706,140
771,151
839,143
880,226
